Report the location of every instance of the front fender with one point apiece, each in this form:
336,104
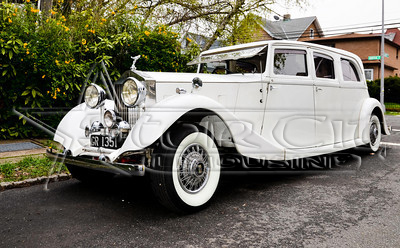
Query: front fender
157,119
71,130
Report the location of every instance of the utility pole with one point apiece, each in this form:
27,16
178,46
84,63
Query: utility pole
382,95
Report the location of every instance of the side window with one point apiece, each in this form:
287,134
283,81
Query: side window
214,67
349,71
242,66
323,66
290,62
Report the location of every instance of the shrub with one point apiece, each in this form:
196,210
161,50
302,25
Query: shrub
44,58
392,89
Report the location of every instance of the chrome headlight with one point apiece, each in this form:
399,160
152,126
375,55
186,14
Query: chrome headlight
110,118
133,92
94,96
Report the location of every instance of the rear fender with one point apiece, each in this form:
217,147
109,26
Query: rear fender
371,106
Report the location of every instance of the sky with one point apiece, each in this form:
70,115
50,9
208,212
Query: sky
334,14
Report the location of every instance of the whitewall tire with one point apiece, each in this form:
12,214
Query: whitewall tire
188,170
196,169
374,133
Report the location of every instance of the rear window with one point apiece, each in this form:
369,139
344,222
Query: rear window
290,62
323,66
349,71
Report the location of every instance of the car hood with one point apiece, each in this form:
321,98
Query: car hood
174,77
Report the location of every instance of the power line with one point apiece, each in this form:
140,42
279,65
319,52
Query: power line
365,23
336,31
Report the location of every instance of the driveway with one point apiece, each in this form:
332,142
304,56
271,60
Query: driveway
355,204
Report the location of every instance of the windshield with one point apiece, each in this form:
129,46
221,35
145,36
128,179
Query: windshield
254,64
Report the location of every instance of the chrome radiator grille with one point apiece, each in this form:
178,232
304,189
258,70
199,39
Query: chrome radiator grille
131,115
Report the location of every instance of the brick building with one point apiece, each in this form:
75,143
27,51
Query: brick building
366,46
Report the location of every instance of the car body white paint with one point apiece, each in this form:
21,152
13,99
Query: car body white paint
274,117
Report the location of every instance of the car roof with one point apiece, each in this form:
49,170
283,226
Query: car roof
275,42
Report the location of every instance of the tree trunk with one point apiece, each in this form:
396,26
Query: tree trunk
45,6
222,25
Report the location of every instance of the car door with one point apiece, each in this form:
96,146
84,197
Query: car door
353,92
328,115
289,109
250,101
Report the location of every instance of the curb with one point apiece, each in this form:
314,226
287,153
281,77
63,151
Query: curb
34,181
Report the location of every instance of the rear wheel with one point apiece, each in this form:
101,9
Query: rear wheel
374,134
187,169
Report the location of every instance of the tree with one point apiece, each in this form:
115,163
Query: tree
241,29
215,16
215,19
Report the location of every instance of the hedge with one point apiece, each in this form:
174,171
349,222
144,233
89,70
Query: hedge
392,89
44,58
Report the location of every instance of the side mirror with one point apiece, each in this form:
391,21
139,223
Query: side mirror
197,83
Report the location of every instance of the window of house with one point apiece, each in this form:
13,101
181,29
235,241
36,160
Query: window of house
323,66
349,71
311,33
369,74
290,62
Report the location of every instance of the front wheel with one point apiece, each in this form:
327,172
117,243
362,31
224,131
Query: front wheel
187,170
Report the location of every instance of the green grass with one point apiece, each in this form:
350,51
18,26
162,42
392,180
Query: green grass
392,107
392,113
29,167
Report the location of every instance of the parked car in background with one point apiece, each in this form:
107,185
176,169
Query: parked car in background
270,100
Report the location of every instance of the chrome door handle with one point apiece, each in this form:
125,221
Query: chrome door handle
271,87
317,89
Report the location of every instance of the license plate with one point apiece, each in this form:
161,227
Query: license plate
104,141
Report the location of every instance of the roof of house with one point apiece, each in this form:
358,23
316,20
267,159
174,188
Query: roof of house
291,29
349,36
356,36
394,35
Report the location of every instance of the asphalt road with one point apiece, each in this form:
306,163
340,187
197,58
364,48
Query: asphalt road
355,204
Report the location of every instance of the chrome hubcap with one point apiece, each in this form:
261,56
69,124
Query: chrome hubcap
373,133
194,168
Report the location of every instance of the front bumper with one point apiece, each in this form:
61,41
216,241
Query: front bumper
114,168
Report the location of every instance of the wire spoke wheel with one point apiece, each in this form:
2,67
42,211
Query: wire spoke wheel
373,133
194,168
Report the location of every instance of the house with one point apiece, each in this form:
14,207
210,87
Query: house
368,48
297,29
393,34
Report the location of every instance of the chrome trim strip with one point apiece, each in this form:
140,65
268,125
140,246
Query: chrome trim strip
115,168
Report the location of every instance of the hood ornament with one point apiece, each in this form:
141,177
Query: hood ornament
133,67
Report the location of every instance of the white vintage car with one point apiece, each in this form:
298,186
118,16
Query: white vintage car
270,100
